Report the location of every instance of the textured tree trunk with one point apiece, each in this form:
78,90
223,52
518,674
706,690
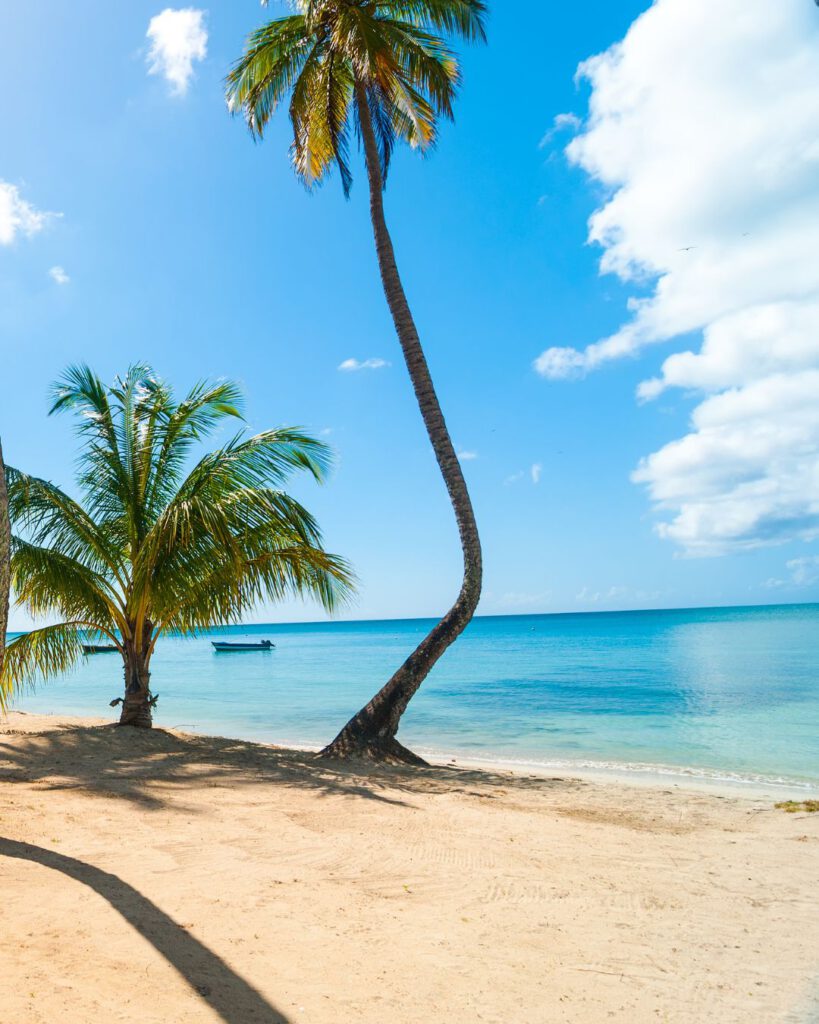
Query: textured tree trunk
371,733
5,558
136,704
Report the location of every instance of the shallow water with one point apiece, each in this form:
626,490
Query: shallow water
724,693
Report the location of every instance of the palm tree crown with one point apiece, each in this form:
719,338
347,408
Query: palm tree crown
156,545
336,56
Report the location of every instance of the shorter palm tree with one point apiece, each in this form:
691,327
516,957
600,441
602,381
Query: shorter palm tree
154,549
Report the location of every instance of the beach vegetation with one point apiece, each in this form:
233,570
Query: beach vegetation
795,806
167,535
384,71
5,562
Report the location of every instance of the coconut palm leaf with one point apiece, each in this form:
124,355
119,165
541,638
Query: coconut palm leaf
49,516
43,653
48,582
5,562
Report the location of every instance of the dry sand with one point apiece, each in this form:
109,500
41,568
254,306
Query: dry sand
158,877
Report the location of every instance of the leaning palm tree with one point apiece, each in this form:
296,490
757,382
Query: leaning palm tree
5,566
385,67
158,545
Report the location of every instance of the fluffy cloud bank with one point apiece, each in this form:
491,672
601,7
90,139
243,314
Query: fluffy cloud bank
178,38
702,129
18,216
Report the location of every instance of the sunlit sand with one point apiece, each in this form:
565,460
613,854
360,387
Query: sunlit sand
153,877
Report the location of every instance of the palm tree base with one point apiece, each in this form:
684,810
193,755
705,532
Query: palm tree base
137,716
349,746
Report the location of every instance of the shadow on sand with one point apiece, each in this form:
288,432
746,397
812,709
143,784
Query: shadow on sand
154,768
221,988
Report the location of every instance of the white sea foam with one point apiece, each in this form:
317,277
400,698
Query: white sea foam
630,771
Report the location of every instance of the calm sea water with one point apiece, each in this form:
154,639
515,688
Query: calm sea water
724,693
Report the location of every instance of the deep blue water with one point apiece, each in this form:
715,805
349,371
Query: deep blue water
728,691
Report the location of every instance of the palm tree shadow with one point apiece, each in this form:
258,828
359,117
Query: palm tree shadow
227,993
155,769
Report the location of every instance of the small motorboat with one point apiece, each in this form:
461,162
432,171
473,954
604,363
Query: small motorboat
99,648
226,645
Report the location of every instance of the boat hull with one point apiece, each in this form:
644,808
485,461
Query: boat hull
224,647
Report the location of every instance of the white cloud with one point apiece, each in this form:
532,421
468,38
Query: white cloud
804,572
18,216
619,596
559,363
561,123
349,365
535,472
702,129
467,456
588,596
748,474
178,38
59,275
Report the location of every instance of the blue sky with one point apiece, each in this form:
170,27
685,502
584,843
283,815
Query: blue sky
180,242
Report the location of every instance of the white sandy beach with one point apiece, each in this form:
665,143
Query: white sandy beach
159,877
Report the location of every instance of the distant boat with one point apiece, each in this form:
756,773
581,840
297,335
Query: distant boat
224,645
99,648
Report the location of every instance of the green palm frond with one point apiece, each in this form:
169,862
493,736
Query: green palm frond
268,69
464,18
270,456
104,474
230,527
225,594
331,56
5,558
48,582
312,149
51,518
179,428
41,654
426,62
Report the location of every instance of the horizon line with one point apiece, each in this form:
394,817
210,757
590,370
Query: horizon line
497,615
516,615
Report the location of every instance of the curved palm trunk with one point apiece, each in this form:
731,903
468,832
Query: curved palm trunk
5,557
371,733
137,704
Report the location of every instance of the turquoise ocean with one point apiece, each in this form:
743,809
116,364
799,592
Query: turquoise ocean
730,694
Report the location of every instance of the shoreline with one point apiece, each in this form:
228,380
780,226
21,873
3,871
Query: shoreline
721,782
